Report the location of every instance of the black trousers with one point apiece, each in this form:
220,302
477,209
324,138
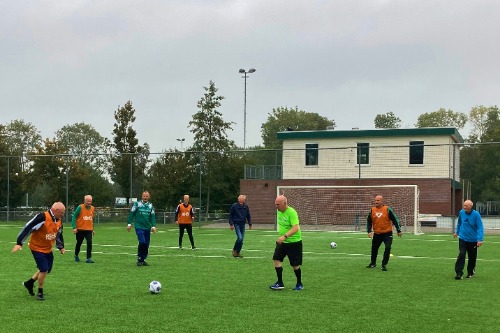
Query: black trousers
80,235
377,240
189,229
471,249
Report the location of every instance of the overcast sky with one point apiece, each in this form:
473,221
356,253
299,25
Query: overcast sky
68,61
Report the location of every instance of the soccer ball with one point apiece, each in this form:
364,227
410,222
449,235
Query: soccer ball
333,245
155,287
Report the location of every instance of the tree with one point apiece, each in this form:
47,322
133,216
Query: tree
130,159
86,146
283,118
481,118
171,175
210,139
48,169
21,139
388,120
208,126
480,162
442,118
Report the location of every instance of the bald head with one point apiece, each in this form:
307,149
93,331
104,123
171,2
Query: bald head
281,203
241,199
145,196
58,210
468,206
379,201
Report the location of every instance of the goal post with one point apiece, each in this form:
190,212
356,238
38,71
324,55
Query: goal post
346,207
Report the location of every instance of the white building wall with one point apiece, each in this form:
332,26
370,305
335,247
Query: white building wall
389,158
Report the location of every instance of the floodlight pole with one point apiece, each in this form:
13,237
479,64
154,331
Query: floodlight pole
8,187
181,141
243,71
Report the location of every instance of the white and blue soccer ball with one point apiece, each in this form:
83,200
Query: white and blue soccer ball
155,287
333,245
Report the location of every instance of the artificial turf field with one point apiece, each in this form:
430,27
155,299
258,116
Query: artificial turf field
208,290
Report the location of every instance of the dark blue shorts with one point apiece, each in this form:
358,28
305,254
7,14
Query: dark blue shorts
43,261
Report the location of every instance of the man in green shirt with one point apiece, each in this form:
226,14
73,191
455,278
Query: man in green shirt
289,244
145,221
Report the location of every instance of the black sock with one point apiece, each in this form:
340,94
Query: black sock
279,273
298,274
30,282
40,291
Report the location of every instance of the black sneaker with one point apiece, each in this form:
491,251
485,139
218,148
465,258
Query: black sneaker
384,268
371,266
458,277
145,263
29,287
469,276
40,297
277,286
140,263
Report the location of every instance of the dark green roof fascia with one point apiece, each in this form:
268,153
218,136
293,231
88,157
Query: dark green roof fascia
393,132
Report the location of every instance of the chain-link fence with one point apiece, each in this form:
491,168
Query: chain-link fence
445,174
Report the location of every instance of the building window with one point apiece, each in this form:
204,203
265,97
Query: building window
363,153
311,154
416,152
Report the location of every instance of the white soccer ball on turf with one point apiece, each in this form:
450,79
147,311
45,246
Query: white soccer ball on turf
333,245
155,287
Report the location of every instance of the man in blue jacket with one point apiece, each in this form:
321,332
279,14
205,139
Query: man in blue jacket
470,233
238,216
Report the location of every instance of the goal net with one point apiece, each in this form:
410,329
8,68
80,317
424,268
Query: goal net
346,207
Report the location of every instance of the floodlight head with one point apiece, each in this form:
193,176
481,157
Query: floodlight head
251,70
242,71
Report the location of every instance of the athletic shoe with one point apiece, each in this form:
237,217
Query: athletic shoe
145,263
180,247
371,266
140,263
40,297
89,261
458,277
30,288
277,286
298,286
193,247
77,259
384,268
469,276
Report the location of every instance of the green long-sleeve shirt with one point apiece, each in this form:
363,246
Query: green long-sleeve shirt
144,215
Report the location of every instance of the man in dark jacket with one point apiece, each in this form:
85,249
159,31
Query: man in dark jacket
238,216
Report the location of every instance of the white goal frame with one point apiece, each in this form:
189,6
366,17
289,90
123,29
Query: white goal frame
318,200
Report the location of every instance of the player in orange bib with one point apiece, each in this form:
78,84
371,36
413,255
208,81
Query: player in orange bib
379,227
83,227
45,229
184,216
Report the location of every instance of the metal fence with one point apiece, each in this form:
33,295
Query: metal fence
378,162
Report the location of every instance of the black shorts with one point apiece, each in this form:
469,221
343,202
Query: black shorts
291,250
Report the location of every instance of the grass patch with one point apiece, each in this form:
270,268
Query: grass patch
209,291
